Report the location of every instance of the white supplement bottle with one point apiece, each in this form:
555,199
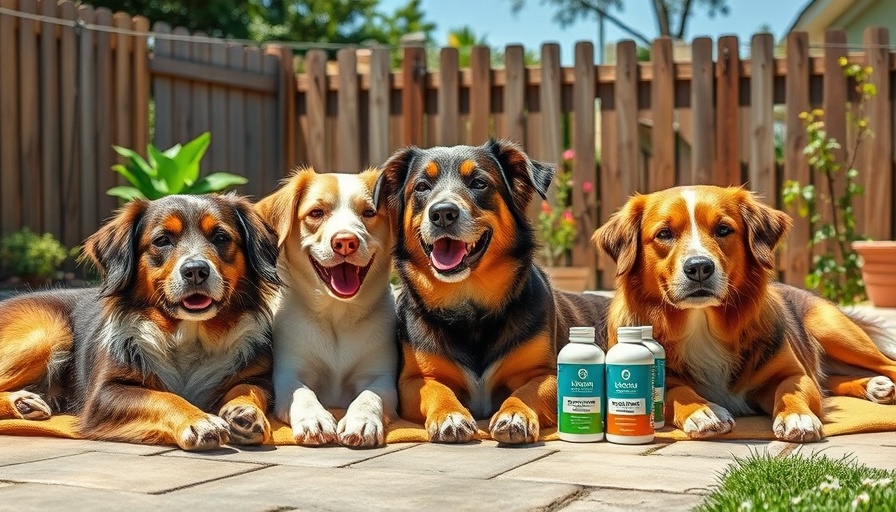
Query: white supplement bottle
629,389
659,375
580,388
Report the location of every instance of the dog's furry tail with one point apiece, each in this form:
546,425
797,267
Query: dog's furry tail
877,328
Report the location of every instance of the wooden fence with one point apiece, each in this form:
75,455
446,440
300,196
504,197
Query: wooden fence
75,91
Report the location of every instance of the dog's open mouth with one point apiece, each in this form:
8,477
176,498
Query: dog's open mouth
344,279
448,255
196,303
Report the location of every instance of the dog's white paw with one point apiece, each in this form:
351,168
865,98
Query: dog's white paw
514,427
30,406
204,434
361,430
315,428
881,390
798,428
248,424
452,427
708,421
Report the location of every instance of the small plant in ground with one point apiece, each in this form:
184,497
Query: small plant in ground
762,482
557,227
835,270
31,256
173,171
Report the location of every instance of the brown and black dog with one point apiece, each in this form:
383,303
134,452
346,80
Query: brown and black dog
478,321
174,347
696,264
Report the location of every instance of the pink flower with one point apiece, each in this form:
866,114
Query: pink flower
587,187
567,216
569,154
545,207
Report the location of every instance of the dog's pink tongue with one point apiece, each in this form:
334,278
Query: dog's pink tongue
197,301
344,279
447,253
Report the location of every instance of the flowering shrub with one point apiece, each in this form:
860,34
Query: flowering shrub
557,227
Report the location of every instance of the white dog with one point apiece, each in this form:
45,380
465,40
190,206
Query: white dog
334,331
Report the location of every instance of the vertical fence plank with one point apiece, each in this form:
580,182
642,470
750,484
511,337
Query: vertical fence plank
200,94
287,109
236,98
182,104
49,123
29,118
219,150
316,105
661,173
70,182
762,121
795,261
272,126
727,171
413,72
549,99
124,87
142,97
629,166
611,193
878,175
515,92
448,102
10,173
480,94
378,120
256,173
105,115
349,136
87,112
584,205
163,91
834,106
703,139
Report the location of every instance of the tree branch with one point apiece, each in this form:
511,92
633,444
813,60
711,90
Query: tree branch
662,16
615,21
683,21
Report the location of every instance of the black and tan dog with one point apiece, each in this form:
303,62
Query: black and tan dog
479,324
179,329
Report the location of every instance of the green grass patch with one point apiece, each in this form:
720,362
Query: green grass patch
816,482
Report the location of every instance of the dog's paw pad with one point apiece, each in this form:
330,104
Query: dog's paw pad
881,390
30,406
514,427
248,425
798,428
315,429
361,431
708,421
453,427
205,434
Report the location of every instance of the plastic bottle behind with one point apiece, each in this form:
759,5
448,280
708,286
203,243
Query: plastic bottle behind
580,388
659,375
629,389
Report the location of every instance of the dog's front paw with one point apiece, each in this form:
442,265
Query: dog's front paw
204,434
708,421
514,425
248,425
361,430
315,429
881,390
451,427
30,406
798,428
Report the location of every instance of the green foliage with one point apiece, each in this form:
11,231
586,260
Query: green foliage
173,171
835,271
221,18
29,255
816,482
556,226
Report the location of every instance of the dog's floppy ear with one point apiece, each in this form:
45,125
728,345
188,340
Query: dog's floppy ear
619,237
521,174
279,208
259,238
766,227
113,248
395,174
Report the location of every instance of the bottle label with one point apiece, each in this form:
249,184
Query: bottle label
659,389
580,389
630,399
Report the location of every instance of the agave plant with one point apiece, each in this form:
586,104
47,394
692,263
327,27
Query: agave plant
173,171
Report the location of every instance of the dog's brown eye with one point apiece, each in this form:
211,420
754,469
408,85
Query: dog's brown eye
220,238
316,213
162,241
478,184
722,230
370,212
664,234
422,186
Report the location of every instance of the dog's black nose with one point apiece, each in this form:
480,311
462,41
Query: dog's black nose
195,271
699,268
443,214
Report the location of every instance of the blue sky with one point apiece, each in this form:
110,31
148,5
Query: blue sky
533,25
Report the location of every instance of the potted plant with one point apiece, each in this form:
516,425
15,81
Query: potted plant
558,228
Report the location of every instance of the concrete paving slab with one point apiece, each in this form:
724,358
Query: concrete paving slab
620,500
472,460
872,439
607,447
883,457
323,456
123,472
723,449
621,471
18,449
282,487
43,498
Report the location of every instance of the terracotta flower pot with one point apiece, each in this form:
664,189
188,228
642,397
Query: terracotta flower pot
878,271
570,279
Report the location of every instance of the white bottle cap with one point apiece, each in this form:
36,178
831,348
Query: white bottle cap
647,332
581,334
629,334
